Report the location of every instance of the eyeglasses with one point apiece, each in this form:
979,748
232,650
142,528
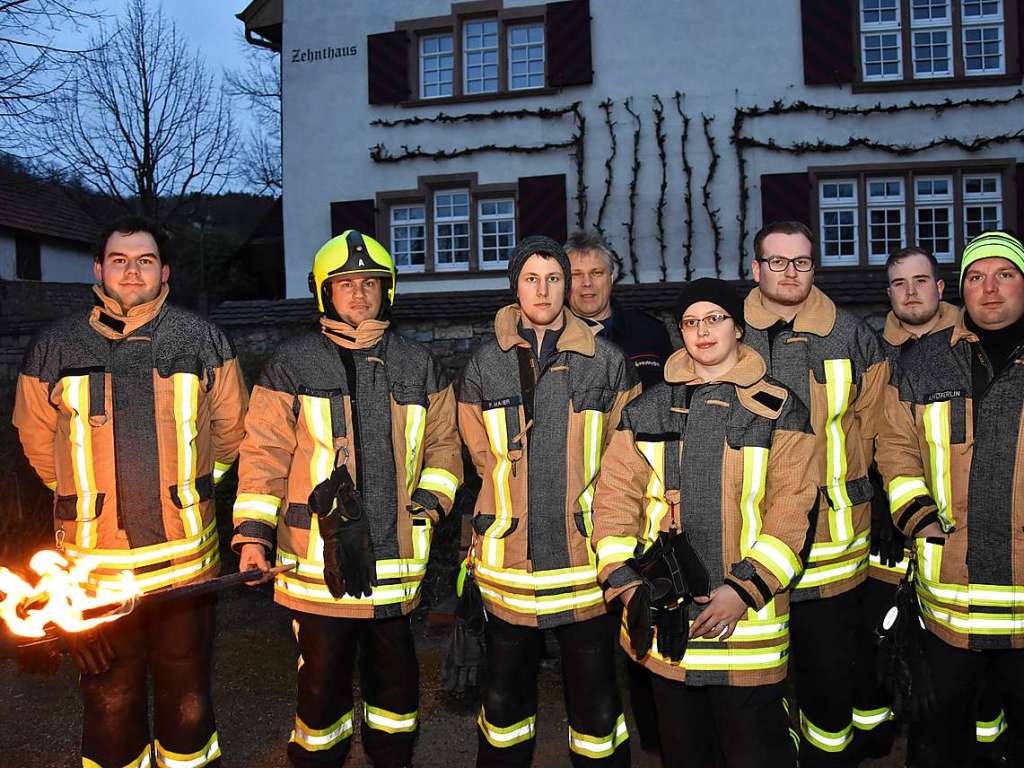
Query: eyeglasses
781,263
710,321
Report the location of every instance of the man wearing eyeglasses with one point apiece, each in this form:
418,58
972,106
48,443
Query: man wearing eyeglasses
834,363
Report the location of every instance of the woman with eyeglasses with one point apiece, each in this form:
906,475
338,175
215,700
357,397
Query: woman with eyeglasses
700,515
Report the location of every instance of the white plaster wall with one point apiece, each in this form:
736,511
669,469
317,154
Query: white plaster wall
721,55
63,263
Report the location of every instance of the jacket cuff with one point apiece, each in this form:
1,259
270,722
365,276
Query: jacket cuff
426,502
253,532
912,517
619,581
928,519
746,595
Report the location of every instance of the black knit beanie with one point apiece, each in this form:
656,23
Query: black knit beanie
714,290
543,245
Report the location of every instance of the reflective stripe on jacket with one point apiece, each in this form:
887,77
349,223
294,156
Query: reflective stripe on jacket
405,453
951,453
726,462
531,544
132,420
834,364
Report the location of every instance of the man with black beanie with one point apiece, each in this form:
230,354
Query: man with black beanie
537,406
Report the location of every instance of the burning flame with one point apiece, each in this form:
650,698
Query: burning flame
62,596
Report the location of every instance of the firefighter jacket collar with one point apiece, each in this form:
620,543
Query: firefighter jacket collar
364,336
749,369
817,315
896,333
108,319
576,336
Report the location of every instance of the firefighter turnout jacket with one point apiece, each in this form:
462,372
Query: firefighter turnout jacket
834,364
952,450
896,340
131,419
536,438
377,402
725,461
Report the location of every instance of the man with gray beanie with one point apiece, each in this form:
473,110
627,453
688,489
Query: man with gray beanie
951,452
537,406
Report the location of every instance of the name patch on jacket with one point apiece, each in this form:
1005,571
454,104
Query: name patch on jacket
505,402
946,394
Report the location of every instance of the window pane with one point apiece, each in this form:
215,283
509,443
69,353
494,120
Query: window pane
526,57
436,68
480,52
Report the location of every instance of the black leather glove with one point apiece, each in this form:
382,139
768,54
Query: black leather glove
463,664
639,621
349,566
673,631
90,650
887,541
908,675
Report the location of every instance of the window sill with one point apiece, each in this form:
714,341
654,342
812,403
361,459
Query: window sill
478,97
935,83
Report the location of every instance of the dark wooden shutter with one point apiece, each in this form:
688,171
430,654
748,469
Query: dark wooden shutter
829,57
785,197
354,214
387,67
1020,196
567,43
28,259
542,207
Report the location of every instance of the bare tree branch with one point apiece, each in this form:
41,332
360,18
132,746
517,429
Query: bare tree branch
256,86
144,122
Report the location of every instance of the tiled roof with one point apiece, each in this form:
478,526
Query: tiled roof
857,287
42,208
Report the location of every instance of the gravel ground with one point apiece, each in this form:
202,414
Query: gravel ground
40,717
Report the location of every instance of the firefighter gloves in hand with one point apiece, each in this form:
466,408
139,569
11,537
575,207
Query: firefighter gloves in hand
639,620
349,566
90,650
464,659
887,541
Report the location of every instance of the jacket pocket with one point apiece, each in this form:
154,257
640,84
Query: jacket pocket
203,488
482,524
298,516
858,491
66,508
593,399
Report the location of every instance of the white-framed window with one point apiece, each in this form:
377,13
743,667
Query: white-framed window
931,36
497,232
885,206
409,237
451,229
983,204
984,44
881,42
929,12
480,56
437,66
525,56
933,215
837,202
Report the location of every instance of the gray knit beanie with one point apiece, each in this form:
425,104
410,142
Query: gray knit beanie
543,245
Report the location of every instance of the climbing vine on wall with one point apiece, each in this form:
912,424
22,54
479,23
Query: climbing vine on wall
716,227
688,189
607,106
659,136
631,224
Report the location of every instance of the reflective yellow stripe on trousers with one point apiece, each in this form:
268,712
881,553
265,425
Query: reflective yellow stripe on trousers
596,747
186,405
76,398
144,760
838,379
317,414
167,759
321,739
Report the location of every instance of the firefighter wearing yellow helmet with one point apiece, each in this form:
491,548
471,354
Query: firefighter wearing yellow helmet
351,457
350,253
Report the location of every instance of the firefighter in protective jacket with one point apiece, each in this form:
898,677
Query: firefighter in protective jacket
131,413
351,457
537,404
706,477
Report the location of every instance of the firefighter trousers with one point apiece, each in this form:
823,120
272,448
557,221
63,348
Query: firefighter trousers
508,712
723,726
172,643
389,683
947,737
823,637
